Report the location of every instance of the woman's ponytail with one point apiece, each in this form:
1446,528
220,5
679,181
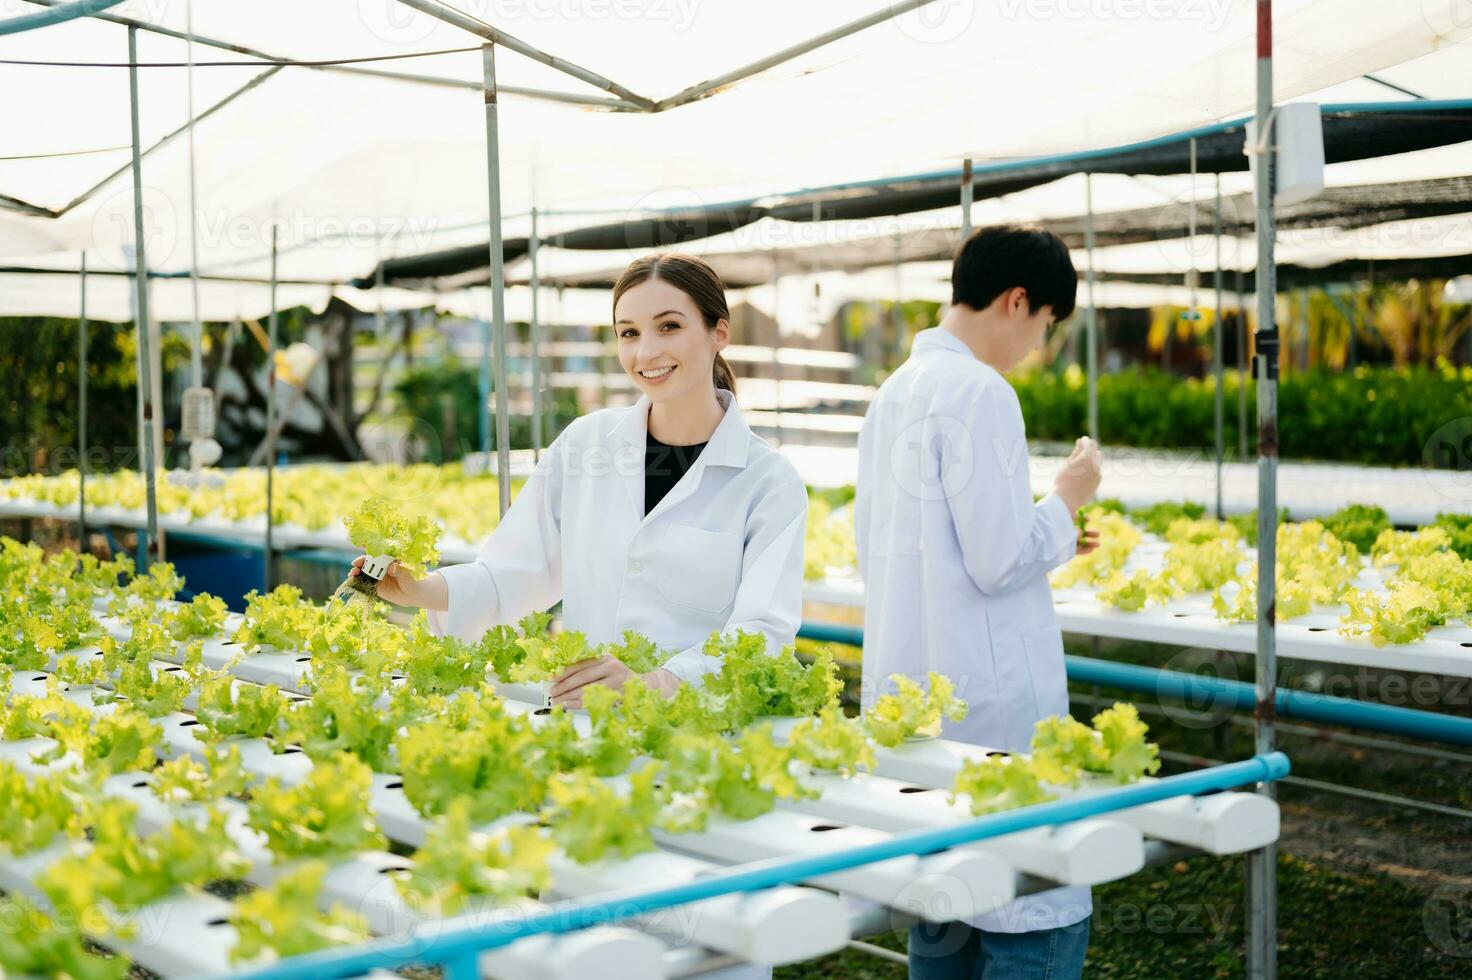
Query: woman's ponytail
724,378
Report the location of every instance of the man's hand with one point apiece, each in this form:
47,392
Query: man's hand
1079,478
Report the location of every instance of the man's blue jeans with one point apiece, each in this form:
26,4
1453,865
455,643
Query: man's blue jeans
956,951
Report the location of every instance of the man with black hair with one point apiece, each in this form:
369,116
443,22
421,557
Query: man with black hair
955,556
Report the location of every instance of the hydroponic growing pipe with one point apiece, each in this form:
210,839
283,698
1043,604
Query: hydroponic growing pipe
1172,685
458,949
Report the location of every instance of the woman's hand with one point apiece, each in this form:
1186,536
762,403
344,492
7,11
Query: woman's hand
567,688
403,589
1087,542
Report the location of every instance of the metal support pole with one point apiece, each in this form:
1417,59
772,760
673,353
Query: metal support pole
871,354
267,573
196,356
1241,368
378,317
1262,945
1354,319
536,345
777,343
817,298
1303,338
1369,307
145,365
968,194
483,390
498,278
1091,321
82,413
1216,348
1193,275
897,317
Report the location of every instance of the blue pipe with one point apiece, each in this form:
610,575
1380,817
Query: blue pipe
452,945
832,633
55,15
1171,685
1195,689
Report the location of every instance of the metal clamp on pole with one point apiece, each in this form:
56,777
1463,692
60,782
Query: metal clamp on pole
1268,344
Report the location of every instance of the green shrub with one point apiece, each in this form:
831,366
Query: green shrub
444,396
1377,416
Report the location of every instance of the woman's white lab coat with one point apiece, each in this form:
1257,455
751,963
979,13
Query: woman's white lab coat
722,551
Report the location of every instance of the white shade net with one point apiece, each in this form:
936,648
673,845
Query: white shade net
324,150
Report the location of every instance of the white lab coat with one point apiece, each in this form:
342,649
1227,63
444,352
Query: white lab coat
955,555
722,551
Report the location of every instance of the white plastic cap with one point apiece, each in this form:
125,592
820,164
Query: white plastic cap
376,566
203,452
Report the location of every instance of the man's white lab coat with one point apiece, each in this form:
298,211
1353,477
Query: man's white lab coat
955,557
723,550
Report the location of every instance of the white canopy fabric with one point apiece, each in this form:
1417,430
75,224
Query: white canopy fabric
109,298
355,168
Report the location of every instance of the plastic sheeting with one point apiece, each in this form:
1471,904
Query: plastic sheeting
109,298
359,167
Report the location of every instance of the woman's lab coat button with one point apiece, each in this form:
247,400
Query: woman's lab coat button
636,567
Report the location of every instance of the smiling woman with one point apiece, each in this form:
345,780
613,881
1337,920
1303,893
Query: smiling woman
670,517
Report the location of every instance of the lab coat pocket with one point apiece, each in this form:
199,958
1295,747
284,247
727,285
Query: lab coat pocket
1044,648
699,568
